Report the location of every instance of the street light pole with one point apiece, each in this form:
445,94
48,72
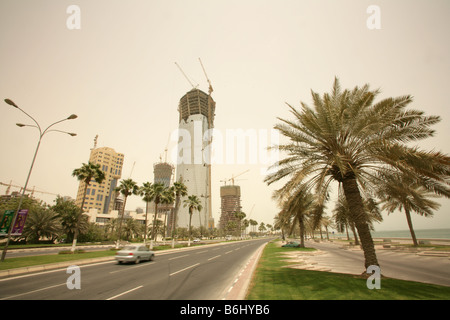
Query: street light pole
41,134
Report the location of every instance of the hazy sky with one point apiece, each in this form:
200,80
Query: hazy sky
117,73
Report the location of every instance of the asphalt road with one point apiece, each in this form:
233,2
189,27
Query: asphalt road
198,273
394,263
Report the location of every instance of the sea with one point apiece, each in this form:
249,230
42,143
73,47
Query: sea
420,234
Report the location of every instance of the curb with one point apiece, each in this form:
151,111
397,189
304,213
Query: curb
240,286
50,266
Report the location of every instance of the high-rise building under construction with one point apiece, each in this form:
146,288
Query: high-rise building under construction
163,172
230,204
196,118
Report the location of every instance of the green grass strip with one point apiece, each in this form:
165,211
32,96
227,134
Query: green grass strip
274,281
11,263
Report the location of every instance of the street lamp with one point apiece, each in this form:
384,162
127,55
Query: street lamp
41,134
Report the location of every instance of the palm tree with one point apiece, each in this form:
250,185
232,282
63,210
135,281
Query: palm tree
86,173
169,199
349,139
146,192
42,222
180,190
126,187
193,203
400,193
342,216
297,206
240,215
253,223
158,193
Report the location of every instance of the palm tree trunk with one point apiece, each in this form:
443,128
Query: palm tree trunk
358,214
355,234
301,223
411,230
146,227
190,231
174,220
75,236
120,222
154,225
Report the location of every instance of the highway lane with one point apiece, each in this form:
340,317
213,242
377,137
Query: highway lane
204,272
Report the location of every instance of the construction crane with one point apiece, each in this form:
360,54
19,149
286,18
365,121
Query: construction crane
210,88
9,185
184,74
251,211
233,177
132,169
211,103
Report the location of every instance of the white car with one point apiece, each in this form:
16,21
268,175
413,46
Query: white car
134,253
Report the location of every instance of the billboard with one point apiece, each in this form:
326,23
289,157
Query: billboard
20,222
6,221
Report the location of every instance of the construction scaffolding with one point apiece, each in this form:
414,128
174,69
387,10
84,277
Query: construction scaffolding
230,199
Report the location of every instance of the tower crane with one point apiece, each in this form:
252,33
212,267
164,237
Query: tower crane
184,74
235,176
9,185
210,88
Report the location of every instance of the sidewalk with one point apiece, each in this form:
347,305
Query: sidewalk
413,264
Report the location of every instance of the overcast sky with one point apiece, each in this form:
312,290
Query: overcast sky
117,73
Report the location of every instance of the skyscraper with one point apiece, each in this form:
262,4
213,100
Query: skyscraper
230,203
102,196
196,110
162,173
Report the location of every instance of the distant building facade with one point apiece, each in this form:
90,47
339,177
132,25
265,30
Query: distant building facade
101,197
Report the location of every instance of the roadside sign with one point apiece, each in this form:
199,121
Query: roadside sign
20,222
5,223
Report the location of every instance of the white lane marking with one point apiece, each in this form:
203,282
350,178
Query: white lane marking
214,257
178,257
123,293
33,291
173,273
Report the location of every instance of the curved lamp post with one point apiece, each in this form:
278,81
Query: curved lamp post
41,134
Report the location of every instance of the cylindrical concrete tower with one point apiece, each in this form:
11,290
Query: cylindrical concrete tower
196,110
162,173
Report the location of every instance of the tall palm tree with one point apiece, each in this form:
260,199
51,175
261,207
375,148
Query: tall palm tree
240,215
253,223
193,203
158,193
86,173
297,207
127,187
146,192
169,199
348,138
342,216
400,193
180,190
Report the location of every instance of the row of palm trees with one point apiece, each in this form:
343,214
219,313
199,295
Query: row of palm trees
364,146
157,193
